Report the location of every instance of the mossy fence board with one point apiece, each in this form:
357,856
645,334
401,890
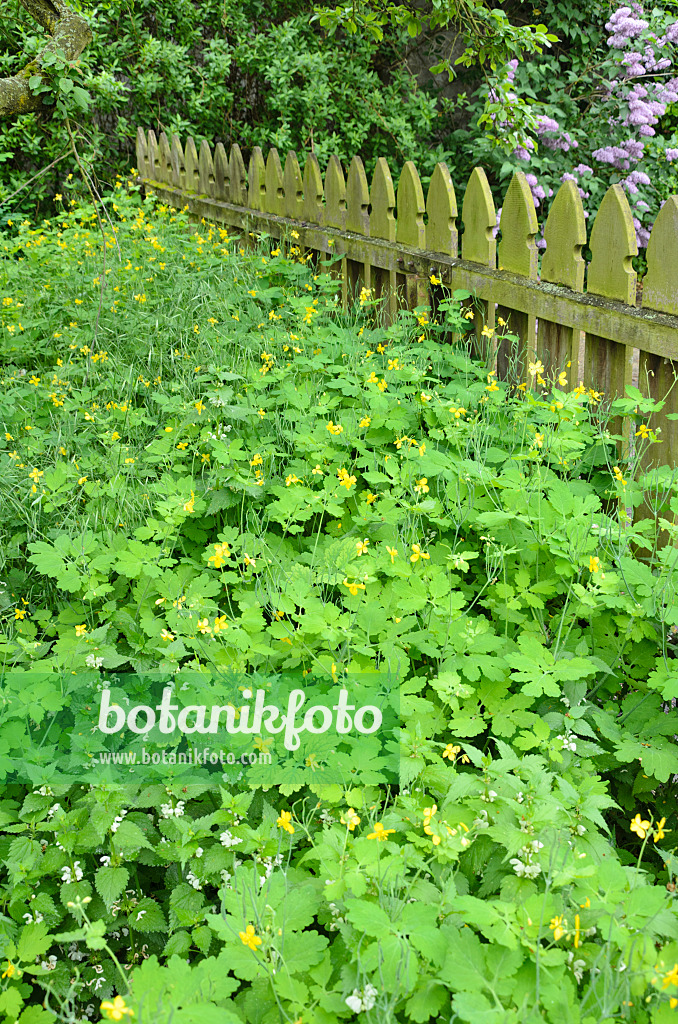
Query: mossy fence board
394,240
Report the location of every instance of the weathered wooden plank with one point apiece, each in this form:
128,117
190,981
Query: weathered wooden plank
478,245
191,167
222,173
563,263
237,177
256,193
517,253
410,227
313,191
178,177
275,191
357,199
383,225
143,166
441,211
335,195
293,187
164,162
206,171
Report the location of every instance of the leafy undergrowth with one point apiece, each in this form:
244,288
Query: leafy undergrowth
207,464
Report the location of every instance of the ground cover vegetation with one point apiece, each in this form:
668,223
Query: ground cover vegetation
206,462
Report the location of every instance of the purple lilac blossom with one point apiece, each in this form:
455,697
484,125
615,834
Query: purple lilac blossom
672,154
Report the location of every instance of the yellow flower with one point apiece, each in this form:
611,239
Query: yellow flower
493,386
361,546
618,476
422,486
487,332
660,831
35,474
594,564
370,498
317,471
19,613
669,979
249,938
353,588
392,552
82,480
429,812
380,833
334,428
417,553
539,440
8,437
220,623
639,826
182,446
562,379
351,819
10,970
557,928
189,505
535,368
221,553
284,821
434,280
204,626
261,413
257,460
372,379
576,931
199,406
80,630
292,479
365,422
451,751
117,1009
166,635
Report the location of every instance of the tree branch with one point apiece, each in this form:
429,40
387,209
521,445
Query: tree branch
70,34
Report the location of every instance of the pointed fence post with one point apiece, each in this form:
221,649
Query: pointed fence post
358,220
411,230
517,253
164,160
383,225
657,373
478,245
206,171
142,154
563,264
335,217
608,365
177,160
222,174
191,166
275,192
294,188
237,177
441,229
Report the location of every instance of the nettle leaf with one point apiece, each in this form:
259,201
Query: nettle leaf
33,941
147,916
110,883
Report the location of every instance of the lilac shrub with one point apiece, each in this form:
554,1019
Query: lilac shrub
618,139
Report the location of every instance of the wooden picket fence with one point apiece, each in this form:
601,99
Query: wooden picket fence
388,245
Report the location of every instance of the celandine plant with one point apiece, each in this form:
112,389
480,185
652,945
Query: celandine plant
205,464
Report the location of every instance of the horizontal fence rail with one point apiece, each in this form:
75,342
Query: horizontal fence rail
393,240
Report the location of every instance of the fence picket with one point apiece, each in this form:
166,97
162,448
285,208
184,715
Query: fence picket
206,171
313,191
441,211
657,373
411,230
222,174
237,192
383,225
611,275
478,245
275,192
357,220
563,263
191,167
177,160
256,177
293,187
164,159
517,253
143,166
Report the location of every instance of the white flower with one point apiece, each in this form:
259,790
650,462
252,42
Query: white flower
199,852
52,811
74,953
581,829
66,875
142,913
49,964
93,662
168,811
117,822
105,861
228,839
362,999
193,880
518,866
520,798
569,744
